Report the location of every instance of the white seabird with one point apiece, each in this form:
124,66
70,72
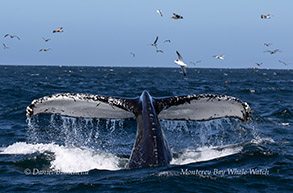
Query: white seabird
159,11
181,63
220,57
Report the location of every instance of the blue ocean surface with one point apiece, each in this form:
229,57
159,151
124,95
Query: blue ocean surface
52,153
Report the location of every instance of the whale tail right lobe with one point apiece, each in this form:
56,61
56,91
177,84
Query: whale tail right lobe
202,107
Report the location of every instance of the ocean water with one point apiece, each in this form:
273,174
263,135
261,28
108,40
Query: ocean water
51,153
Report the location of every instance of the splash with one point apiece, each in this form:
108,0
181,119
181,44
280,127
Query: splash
68,159
104,144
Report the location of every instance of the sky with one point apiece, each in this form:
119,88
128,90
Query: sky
104,33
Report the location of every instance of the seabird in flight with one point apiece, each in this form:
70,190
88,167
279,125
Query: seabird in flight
12,36
265,16
220,57
286,63
272,51
45,49
176,16
159,11
60,29
181,63
46,40
4,46
155,42
133,54
195,63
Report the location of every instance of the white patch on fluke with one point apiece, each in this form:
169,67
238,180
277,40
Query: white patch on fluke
68,159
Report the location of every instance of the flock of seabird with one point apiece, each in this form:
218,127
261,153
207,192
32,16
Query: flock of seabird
154,44
60,29
183,65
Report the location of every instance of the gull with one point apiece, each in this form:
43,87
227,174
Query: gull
169,41
161,51
45,49
267,44
133,54
259,64
181,63
4,46
176,16
159,11
60,29
265,16
286,63
272,51
220,57
155,42
195,63
46,40
12,36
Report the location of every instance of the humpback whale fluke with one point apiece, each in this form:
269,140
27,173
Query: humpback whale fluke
150,148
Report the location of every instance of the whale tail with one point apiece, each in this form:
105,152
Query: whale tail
191,107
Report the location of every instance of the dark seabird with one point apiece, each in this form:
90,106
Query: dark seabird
272,51
60,29
195,63
12,36
265,16
176,16
155,42
161,51
46,40
285,63
267,44
133,54
45,49
4,46
259,64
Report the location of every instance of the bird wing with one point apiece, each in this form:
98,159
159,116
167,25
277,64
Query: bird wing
179,56
183,70
156,39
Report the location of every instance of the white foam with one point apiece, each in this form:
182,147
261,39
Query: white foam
262,140
68,159
204,154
